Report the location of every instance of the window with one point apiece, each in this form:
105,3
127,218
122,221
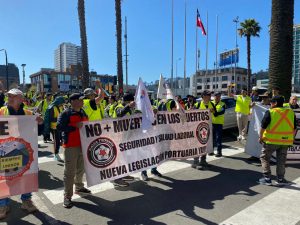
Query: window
214,86
199,80
217,86
214,79
232,78
238,78
224,78
199,87
224,85
207,86
208,80
217,78
244,78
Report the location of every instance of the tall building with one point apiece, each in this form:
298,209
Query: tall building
13,76
296,58
67,54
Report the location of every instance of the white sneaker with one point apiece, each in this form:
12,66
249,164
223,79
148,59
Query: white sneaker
28,206
239,137
3,212
243,138
57,158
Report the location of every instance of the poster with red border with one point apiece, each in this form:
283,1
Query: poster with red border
18,155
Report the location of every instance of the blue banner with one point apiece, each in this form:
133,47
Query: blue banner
229,57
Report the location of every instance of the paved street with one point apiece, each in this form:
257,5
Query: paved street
226,194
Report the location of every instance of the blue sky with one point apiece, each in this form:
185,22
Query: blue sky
32,29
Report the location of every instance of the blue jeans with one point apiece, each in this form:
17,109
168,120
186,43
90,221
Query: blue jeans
217,137
5,201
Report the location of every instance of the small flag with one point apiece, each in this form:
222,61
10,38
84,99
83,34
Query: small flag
143,104
200,24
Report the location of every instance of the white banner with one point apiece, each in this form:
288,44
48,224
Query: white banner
253,147
114,148
18,155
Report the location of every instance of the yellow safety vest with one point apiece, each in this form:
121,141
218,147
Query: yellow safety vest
210,106
119,106
53,124
112,109
243,104
281,129
4,111
286,105
220,118
93,115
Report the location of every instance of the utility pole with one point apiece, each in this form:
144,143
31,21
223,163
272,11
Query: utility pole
126,55
236,21
23,65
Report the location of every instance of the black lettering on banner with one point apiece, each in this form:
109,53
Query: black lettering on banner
112,172
93,130
4,128
161,119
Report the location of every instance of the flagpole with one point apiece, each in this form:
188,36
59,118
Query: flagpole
184,72
172,44
196,49
217,25
206,47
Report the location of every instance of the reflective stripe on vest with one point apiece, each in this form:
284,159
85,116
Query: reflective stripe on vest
220,118
93,115
243,105
56,114
281,128
4,111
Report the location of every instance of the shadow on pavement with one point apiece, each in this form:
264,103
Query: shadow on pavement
48,181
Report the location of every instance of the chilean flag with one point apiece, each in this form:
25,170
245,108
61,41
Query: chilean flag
200,24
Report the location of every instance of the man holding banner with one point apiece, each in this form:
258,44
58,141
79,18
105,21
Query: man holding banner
276,134
14,107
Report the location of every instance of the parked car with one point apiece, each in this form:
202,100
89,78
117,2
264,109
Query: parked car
230,114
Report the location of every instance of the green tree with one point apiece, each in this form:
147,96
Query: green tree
281,46
84,47
249,28
119,45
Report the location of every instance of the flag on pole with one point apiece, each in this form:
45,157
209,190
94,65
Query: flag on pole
143,104
200,24
164,91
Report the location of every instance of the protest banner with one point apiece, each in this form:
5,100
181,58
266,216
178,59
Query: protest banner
18,155
253,147
114,148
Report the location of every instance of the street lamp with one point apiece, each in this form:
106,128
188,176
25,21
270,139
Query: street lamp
236,21
176,76
23,65
6,65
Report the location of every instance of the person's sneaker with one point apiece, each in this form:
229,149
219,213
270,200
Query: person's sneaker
144,176
120,183
28,206
156,173
128,178
282,182
68,203
195,164
265,181
203,165
218,155
83,191
3,212
211,154
239,138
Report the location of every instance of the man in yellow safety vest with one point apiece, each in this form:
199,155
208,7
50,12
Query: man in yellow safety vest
276,134
92,105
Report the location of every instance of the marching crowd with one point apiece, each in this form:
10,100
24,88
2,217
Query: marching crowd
62,116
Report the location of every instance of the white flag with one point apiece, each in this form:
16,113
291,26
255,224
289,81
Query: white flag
164,91
143,104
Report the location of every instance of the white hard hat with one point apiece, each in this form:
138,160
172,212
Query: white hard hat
254,88
15,91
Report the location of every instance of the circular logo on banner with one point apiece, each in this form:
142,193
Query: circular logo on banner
16,156
102,152
202,133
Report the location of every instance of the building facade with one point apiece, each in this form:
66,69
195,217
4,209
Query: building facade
67,54
218,80
13,76
49,80
296,58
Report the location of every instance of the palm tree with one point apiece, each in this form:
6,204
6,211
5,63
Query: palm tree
119,45
249,28
281,46
84,48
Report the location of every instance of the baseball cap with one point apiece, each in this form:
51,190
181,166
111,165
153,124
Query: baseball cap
217,93
15,91
89,91
76,96
206,92
278,99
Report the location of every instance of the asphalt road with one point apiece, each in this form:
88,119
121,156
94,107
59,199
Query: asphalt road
226,193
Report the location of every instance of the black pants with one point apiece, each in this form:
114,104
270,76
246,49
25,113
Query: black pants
57,140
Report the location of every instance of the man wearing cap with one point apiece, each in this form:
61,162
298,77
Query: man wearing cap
92,105
69,122
276,134
218,122
242,109
205,104
15,107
